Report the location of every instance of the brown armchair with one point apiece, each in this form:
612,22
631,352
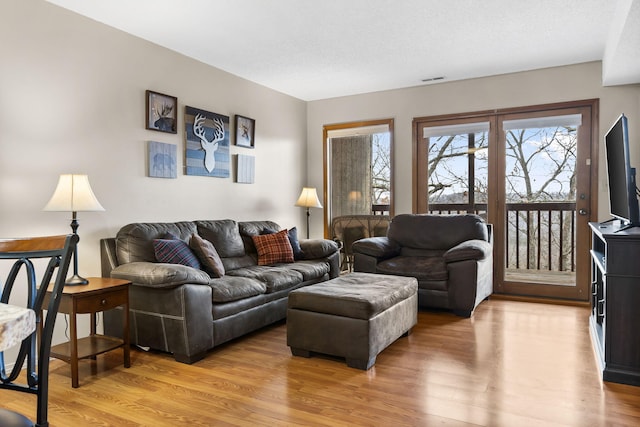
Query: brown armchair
451,256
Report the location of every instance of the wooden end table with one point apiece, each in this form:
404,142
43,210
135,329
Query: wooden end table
99,295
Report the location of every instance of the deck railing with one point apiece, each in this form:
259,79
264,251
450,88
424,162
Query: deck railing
539,236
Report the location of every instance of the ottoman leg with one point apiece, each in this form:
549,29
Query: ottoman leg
406,334
300,352
361,363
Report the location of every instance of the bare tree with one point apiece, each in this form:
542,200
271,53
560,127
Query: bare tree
381,168
540,167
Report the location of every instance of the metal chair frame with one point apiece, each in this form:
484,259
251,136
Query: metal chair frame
59,250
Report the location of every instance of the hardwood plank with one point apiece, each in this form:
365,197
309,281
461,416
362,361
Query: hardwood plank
514,363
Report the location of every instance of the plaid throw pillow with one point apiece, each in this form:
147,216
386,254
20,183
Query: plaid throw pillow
273,248
175,252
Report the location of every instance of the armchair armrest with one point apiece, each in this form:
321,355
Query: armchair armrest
377,247
469,250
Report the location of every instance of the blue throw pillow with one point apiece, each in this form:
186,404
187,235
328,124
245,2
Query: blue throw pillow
295,244
175,252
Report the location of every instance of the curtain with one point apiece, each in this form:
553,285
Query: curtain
351,191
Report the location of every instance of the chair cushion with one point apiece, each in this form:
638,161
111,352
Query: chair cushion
425,231
422,268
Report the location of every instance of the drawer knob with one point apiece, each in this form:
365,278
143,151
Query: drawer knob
103,302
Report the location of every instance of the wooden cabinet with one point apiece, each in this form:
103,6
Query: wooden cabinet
614,322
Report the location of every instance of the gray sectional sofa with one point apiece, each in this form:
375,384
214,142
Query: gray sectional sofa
183,310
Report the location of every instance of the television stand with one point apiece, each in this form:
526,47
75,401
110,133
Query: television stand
622,227
614,322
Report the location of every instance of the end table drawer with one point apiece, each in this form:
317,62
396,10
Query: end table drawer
92,304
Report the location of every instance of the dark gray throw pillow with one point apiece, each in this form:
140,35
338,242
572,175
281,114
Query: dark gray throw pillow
208,256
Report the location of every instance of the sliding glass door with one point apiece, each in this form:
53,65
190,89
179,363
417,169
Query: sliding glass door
528,172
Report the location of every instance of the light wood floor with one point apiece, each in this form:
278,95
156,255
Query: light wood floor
513,364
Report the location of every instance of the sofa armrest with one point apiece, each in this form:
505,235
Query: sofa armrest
377,247
108,258
468,250
160,275
318,248
176,320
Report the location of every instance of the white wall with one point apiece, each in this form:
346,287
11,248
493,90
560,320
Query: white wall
72,100
545,86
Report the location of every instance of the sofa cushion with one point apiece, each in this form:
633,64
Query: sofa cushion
208,256
225,236
273,248
159,275
134,242
175,252
255,228
230,288
276,278
310,270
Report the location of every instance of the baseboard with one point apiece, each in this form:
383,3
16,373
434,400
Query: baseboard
542,300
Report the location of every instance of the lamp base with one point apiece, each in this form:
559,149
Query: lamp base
76,280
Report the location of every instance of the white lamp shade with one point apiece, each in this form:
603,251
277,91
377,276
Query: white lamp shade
73,194
308,198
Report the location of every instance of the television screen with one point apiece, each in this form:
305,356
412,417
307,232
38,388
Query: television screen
623,203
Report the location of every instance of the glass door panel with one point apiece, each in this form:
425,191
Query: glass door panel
540,195
458,166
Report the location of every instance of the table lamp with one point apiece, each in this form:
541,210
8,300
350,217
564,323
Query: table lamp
308,199
73,194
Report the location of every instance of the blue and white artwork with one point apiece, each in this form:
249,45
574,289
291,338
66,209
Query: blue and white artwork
207,143
246,169
163,160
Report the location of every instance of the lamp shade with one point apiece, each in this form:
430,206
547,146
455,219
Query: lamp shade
73,194
308,198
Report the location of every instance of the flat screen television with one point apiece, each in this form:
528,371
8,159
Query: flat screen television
623,201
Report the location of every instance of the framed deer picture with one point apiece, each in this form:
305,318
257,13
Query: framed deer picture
245,131
207,143
162,112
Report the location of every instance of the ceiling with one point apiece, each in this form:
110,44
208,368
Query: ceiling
314,49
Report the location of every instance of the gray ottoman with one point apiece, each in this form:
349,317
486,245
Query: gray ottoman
354,316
